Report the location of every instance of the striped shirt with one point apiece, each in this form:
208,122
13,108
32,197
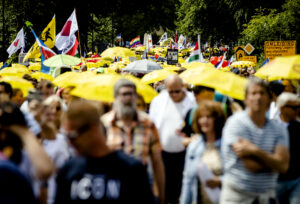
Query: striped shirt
267,138
139,141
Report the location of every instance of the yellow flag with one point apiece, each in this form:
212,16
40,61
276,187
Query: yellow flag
48,37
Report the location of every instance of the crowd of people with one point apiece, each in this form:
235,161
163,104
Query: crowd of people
189,145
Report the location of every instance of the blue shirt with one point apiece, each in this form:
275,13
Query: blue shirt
266,138
195,150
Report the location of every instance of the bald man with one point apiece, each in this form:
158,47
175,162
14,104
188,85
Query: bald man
168,111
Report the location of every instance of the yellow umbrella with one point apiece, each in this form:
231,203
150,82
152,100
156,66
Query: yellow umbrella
39,75
242,64
12,71
156,75
34,67
197,65
73,78
224,82
18,66
101,88
170,67
281,67
117,52
17,82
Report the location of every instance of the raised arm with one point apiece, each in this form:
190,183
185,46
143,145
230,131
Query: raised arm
42,163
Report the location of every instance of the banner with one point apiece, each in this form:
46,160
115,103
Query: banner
18,43
48,37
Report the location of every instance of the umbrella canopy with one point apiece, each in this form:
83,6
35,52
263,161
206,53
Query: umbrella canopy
197,65
18,83
156,75
170,67
61,60
101,88
40,75
73,78
224,82
14,71
242,64
142,66
281,67
117,52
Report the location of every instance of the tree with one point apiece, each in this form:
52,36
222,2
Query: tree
268,25
210,19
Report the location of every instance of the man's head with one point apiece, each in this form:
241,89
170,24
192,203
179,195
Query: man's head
125,99
174,85
258,95
6,90
289,105
83,127
46,87
203,93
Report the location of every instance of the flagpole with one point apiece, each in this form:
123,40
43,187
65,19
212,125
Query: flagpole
78,36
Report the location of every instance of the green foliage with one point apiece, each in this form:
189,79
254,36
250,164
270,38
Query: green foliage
210,19
272,25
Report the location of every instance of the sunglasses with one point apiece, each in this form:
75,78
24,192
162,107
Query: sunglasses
76,133
126,94
175,91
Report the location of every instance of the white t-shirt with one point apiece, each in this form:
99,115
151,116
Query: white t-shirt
169,117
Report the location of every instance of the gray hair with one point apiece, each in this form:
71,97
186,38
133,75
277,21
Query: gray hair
259,82
285,97
123,83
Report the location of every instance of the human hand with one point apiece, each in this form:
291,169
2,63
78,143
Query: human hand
213,183
243,147
19,130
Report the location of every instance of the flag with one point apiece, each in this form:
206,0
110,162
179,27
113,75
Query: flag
18,43
181,42
66,34
45,53
118,38
145,54
72,47
150,43
219,65
163,37
48,37
230,61
265,62
196,55
135,41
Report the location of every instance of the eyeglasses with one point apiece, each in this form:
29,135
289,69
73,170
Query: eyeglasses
73,134
129,93
294,107
175,91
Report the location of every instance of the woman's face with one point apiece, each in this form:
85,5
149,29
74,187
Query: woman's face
206,122
53,111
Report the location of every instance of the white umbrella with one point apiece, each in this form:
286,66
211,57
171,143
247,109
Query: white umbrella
142,66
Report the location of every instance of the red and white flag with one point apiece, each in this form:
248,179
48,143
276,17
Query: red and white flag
72,47
64,38
18,43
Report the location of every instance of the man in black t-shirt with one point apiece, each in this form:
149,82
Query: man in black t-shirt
99,175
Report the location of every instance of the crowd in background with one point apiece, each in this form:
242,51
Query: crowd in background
189,145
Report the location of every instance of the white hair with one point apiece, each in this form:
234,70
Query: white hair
285,97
